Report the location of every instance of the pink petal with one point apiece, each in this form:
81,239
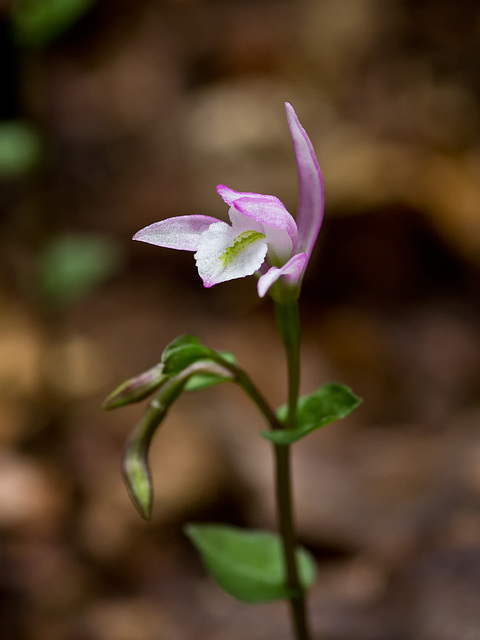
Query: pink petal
293,270
180,232
267,210
230,195
311,201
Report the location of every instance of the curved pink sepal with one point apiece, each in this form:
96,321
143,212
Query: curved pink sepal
293,270
311,200
180,232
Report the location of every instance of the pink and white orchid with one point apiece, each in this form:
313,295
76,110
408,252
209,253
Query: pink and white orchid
262,238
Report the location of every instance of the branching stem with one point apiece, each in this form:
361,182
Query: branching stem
288,322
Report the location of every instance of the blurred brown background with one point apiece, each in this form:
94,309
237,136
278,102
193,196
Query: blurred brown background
115,114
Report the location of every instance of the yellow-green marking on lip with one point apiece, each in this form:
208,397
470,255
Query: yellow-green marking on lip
241,242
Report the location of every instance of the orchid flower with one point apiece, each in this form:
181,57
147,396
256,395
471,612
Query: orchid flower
262,237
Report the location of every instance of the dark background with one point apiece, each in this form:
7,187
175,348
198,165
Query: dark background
130,112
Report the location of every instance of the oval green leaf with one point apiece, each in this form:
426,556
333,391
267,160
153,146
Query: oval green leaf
325,405
248,564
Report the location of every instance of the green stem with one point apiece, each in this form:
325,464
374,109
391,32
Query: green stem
288,322
289,325
244,380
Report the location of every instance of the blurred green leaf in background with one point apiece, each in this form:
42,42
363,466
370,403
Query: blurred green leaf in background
20,148
38,22
73,266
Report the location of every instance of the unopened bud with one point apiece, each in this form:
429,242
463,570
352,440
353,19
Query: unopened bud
137,388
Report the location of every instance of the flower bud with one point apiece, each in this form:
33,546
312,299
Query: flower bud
137,388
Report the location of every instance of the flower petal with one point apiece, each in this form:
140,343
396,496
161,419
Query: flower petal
180,232
279,225
230,195
224,254
311,200
278,241
292,270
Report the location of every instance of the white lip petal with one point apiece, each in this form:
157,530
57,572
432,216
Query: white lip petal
224,254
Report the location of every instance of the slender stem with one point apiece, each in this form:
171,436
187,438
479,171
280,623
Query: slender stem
244,380
288,321
285,514
289,326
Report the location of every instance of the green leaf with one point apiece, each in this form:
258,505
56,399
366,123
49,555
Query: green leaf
73,266
325,405
38,22
205,380
248,564
182,352
20,148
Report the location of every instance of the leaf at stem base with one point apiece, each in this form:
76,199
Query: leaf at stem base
248,564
